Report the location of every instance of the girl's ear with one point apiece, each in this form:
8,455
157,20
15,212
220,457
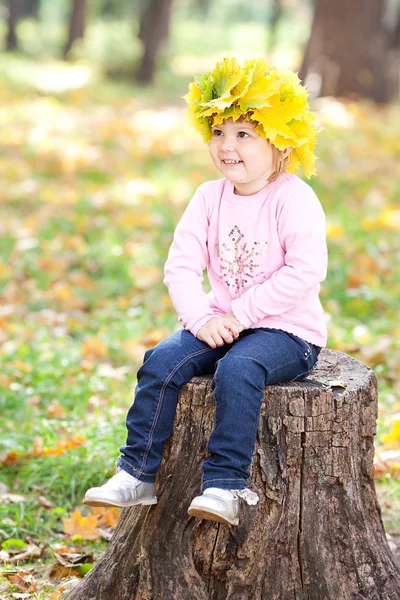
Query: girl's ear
287,151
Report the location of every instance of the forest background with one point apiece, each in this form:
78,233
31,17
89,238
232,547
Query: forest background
97,165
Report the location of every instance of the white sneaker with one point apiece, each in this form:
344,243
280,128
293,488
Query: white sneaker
121,490
216,504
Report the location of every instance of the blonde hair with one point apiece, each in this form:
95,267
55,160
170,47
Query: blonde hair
279,163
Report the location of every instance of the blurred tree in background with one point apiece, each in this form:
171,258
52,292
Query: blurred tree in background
153,32
12,19
77,23
354,49
29,8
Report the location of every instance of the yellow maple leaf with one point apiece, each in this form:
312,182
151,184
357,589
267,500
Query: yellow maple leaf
273,123
234,112
226,75
107,517
194,94
258,94
307,159
84,527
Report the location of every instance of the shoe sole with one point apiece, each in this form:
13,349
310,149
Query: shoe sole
202,513
98,502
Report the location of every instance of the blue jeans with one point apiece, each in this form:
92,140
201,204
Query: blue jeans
259,357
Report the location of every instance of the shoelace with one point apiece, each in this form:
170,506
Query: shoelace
123,485
247,495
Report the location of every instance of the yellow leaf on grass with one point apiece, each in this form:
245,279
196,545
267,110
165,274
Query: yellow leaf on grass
134,349
153,337
55,410
388,218
334,231
85,527
25,367
8,458
60,448
93,347
4,380
107,517
364,271
393,438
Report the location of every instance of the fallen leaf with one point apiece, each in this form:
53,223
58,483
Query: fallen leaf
337,383
58,572
45,502
68,558
55,410
84,527
393,438
7,498
32,551
22,579
25,367
57,595
94,348
107,517
62,446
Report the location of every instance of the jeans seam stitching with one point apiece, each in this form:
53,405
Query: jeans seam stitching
159,404
224,479
137,470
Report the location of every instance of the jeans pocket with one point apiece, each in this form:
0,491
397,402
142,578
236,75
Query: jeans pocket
308,360
308,350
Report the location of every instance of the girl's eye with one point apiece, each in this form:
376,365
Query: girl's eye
242,134
217,132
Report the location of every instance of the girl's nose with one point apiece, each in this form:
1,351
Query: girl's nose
227,143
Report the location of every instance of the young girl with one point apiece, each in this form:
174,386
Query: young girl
261,234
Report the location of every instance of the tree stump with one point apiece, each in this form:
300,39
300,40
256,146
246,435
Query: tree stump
317,532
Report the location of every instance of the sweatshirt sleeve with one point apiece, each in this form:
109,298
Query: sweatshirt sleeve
187,259
302,234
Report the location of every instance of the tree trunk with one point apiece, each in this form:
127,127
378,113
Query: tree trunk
13,7
276,15
77,24
153,31
317,533
29,8
350,51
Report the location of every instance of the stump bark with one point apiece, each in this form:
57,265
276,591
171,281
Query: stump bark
317,532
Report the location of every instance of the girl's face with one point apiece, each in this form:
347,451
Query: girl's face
242,156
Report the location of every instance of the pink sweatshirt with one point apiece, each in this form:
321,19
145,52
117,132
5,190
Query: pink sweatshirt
265,255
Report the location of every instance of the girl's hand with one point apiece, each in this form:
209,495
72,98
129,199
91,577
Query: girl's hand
233,324
215,333
220,330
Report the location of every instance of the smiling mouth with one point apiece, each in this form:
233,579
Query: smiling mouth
231,162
